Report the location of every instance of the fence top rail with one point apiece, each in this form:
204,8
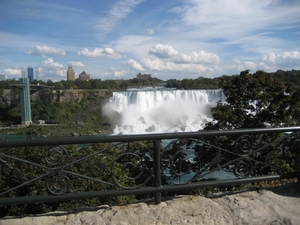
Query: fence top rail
139,137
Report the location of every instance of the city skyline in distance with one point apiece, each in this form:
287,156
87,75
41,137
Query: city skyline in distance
167,39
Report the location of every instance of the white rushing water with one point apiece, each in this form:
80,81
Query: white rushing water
162,110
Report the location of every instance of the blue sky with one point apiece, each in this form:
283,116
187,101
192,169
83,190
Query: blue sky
178,39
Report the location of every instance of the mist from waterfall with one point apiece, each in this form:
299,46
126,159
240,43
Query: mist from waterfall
161,110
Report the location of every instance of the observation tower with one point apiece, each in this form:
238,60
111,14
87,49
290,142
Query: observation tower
26,87
25,101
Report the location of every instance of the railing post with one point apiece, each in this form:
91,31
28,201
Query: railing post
157,171
298,158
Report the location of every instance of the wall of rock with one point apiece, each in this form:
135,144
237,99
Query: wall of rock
76,95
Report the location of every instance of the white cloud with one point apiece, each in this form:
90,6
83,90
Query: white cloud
163,51
10,71
76,64
137,45
292,55
50,64
163,65
132,40
238,65
49,69
169,53
199,57
45,50
117,73
229,20
134,65
170,59
270,58
150,31
269,62
115,15
106,53
158,64
285,59
198,35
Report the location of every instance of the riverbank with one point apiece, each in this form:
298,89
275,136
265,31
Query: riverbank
274,206
50,130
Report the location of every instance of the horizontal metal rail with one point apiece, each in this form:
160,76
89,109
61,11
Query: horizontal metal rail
141,137
142,190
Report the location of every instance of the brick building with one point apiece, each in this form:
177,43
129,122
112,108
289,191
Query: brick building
143,76
84,76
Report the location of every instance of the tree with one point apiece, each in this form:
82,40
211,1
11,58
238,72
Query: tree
95,83
50,83
123,85
83,161
173,83
256,100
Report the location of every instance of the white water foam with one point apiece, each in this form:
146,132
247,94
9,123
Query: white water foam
160,111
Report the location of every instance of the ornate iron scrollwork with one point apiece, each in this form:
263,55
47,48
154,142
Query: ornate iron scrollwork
180,163
242,168
15,171
56,156
129,165
243,145
58,184
132,168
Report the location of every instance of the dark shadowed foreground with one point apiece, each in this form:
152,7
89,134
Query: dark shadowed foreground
275,206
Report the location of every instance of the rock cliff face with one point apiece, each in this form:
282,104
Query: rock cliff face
276,206
69,95
8,97
55,95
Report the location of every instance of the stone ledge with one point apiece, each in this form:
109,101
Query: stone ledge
265,206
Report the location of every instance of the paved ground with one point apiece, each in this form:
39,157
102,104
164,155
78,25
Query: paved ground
276,206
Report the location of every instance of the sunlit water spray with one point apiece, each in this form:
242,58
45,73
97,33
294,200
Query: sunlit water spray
162,110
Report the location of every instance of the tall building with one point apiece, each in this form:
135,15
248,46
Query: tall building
2,77
23,73
36,73
70,73
84,76
30,73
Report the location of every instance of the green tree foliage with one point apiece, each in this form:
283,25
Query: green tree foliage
5,84
200,83
91,84
10,115
256,100
288,76
292,76
89,161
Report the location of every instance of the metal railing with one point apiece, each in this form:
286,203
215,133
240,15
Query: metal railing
70,168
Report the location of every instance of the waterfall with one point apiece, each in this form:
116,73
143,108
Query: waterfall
161,110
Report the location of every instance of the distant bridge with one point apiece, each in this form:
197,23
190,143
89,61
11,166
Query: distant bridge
33,87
